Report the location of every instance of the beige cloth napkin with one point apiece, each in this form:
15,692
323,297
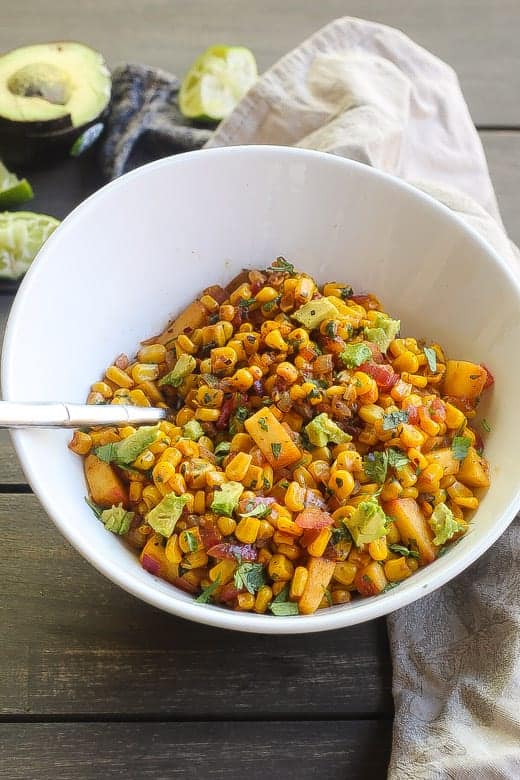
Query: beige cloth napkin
365,91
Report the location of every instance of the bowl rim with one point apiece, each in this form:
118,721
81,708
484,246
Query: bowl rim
337,617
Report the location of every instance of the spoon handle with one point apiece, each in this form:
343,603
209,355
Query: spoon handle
64,415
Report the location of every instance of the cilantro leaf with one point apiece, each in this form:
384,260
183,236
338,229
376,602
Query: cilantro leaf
460,446
281,264
263,424
400,550
95,508
256,510
341,535
282,596
375,465
431,357
208,592
397,458
485,425
222,448
250,576
392,419
355,354
284,608
276,448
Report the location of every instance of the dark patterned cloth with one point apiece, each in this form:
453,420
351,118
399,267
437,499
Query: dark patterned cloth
144,122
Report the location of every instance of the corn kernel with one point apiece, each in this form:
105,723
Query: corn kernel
341,483
172,550
145,372
152,353
226,525
207,415
275,340
318,546
340,596
298,582
237,468
81,443
287,372
345,572
144,461
397,569
295,497
406,361
288,527
280,568
214,478
263,599
223,571
195,560
119,377
378,549
247,530
151,496
103,388
245,601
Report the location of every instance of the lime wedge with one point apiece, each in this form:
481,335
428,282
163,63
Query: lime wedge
22,234
217,81
13,190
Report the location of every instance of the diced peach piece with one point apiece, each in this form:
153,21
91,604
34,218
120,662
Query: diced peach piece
445,458
105,487
474,470
320,574
371,579
412,526
463,379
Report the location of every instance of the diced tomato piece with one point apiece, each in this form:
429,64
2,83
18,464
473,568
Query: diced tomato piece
437,410
377,355
183,584
413,414
307,353
323,364
246,552
229,592
313,518
210,536
333,346
384,375
366,300
225,414
490,379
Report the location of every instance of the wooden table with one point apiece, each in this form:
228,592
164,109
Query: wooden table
95,683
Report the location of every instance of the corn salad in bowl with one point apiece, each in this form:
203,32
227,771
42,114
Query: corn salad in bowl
312,455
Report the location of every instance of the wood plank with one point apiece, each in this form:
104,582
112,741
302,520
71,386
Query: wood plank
191,751
503,155
74,643
479,38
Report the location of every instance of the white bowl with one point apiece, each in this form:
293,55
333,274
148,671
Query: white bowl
142,247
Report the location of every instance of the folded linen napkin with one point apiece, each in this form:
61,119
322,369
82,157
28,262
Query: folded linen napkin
367,92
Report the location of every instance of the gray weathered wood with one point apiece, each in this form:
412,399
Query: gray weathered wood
73,643
503,155
331,750
479,38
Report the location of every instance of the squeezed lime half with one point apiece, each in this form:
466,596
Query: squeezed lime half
216,82
22,234
13,191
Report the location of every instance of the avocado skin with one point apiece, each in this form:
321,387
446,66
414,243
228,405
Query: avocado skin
36,144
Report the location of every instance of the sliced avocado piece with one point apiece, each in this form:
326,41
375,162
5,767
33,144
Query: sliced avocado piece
311,314
49,95
52,80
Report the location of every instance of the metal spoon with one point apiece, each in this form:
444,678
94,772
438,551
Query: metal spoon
64,415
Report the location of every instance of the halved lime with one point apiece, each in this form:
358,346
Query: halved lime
217,81
13,190
22,234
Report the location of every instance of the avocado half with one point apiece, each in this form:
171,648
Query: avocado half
50,93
